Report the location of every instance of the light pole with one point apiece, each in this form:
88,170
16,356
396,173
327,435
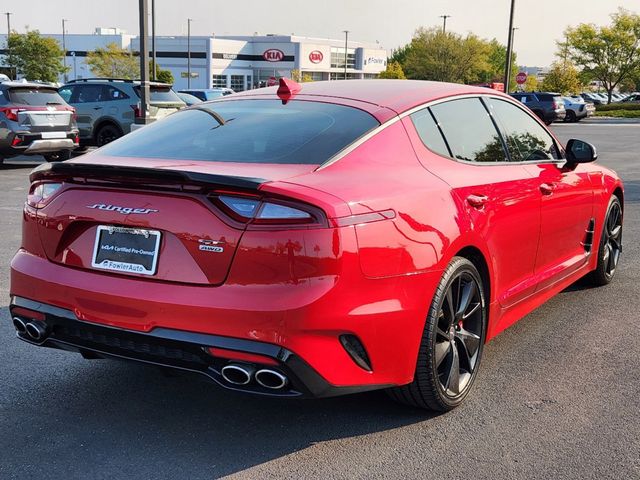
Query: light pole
507,69
444,22
153,40
346,42
144,62
64,51
8,14
189,20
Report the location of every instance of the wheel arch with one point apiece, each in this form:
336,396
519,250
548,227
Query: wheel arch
103,122
475,256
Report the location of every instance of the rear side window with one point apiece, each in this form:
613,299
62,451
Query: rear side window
34,96
254,131
545,97
526,139
429,132
469,131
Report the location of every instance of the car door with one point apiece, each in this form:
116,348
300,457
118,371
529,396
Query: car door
88,101
566,193
500,198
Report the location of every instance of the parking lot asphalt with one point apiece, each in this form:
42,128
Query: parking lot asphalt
557,397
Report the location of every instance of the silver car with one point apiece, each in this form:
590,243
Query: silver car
107,108
577,109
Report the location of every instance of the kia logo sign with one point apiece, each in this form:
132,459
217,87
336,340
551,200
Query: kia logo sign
316,56
273,55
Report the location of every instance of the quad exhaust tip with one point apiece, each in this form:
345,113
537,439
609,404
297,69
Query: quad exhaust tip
19,325
37,330
271,379
237,374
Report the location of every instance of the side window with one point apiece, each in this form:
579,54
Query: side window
429,132
65,93
469,131
89,93
112,93
526,139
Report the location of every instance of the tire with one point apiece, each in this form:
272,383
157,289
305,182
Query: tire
570,117
60,156
107,134
610,246
447,324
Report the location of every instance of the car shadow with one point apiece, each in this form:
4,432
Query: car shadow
18,165
87,410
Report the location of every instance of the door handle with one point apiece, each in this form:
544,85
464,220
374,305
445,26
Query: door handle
477,201
97,108
547,188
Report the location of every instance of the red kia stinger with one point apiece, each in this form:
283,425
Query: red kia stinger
315,240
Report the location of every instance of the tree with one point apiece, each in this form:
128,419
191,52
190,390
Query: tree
394,70
164,76
531,84
445,57
496,61
35,57
113,61
562,78
610,53
300,77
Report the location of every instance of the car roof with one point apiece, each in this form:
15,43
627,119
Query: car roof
396,95
218,89
28,85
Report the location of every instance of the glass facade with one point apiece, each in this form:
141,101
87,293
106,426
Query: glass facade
337,57
219,81
237,83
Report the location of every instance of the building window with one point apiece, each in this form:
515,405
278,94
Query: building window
315,76
337,57
371,75
340,76
219,81
237,83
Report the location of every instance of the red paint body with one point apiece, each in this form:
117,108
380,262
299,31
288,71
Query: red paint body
302,288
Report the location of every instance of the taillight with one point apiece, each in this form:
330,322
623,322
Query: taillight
254,210
41,193
74,115
10,113
137,111
16,141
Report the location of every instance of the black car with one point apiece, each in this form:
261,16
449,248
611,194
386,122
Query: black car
35,120
548,106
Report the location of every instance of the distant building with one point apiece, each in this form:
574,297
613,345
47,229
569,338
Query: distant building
238,62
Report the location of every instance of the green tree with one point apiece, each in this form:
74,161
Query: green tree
610,53
394,70
563,78
34,56
113,61
445,57
531,84
496,61
164,76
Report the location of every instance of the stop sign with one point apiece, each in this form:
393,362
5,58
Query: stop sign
272,82
521,78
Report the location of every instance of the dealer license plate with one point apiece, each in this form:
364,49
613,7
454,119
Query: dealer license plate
126,250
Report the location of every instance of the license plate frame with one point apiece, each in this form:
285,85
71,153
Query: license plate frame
118,253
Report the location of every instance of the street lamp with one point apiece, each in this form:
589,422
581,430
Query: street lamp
144,63
189,20
64,50
444,23
507,69
346,40
153,40
8,14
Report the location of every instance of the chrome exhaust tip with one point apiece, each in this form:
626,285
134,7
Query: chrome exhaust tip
271,379
37,330
19,325
237,374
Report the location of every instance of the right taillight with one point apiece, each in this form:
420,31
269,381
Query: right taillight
10,113
137,111
264,212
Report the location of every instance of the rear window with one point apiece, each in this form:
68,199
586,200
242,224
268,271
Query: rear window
255,131
34,96
162,94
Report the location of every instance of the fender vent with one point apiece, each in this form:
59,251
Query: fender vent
588,237
356,351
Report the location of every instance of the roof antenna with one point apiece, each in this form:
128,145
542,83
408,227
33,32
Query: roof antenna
287,89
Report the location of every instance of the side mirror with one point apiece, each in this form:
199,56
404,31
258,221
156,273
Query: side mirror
579,151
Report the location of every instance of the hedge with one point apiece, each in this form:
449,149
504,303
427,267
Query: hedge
618,106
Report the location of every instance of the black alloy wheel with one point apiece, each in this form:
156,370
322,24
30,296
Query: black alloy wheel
610,245
570,117
452,341
107,134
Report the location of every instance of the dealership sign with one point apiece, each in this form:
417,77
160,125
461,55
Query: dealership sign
273,55
316,56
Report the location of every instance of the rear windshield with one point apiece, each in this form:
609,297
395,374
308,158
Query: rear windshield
162,94
254,131
35,96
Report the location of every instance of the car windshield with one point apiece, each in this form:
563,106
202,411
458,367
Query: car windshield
249,131
161,94
34,96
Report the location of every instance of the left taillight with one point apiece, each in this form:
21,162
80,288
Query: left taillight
10,113
41,193
264,212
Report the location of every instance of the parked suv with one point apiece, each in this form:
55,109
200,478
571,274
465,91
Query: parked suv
205,94
546,105
35,120
107,107
577,109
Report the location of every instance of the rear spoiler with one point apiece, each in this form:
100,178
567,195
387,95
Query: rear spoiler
140,175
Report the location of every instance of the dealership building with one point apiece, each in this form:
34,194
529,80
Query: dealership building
237,62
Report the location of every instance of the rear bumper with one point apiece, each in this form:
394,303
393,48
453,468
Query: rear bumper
35,143
175,349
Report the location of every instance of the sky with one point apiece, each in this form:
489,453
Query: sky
391,22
